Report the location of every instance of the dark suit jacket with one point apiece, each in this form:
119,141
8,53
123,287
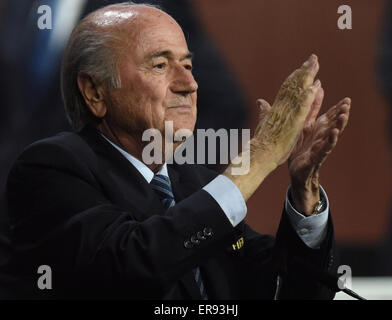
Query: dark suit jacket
76,204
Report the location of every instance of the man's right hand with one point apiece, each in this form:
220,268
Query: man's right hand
279,127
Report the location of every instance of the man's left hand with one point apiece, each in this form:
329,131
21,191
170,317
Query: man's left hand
318,138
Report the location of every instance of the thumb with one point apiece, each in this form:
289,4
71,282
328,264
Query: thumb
265,108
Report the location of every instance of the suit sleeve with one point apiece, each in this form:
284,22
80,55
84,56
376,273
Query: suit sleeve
294,257
263,257
60,217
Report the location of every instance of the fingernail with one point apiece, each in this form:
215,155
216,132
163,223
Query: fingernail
317,83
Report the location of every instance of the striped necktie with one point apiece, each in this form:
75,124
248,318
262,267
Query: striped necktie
161,185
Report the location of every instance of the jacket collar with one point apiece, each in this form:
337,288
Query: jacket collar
143,199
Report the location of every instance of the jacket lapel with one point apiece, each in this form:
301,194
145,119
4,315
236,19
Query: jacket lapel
121,182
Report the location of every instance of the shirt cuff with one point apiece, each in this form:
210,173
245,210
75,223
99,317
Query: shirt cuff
229,198
313,229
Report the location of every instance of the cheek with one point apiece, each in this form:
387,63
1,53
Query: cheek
194,100
144,101
151,94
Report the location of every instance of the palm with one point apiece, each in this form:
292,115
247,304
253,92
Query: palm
318,138
308,152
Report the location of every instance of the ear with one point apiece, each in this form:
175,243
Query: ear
92,93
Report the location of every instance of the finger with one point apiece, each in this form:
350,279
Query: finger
305,75
342,122
333,137
309,71
345,107
332,141
345,116
308,97
342,115
299,80
315,108
336,109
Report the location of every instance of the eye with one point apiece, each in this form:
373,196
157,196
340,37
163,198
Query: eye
188,67
159,66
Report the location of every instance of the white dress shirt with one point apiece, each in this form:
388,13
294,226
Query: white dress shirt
312,230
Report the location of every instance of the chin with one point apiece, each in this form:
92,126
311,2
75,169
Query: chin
183,128
187,123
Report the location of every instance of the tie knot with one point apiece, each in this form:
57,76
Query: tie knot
161,185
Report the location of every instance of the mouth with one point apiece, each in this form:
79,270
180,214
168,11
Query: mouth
182,107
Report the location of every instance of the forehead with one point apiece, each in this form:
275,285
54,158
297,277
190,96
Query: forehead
153,33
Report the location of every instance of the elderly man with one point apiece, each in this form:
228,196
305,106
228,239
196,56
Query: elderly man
110,226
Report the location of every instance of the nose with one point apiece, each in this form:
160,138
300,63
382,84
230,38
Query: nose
183,81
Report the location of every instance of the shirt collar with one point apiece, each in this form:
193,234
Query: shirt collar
145,171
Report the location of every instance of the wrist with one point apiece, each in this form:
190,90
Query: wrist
305,196
259,168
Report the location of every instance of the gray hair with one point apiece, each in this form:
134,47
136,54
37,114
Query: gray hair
90,51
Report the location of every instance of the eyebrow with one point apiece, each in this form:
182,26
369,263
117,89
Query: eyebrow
169,54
